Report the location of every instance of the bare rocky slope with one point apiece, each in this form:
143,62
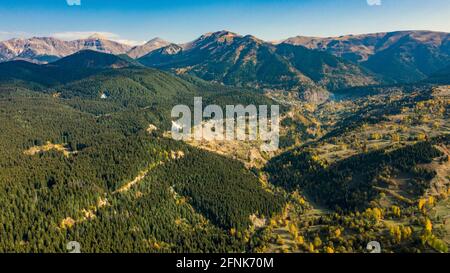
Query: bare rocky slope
47,49
141,50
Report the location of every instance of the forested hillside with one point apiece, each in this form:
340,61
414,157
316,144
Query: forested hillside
87,161
86,156
399,56
232,59
377,169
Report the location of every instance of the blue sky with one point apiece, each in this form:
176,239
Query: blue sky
135,21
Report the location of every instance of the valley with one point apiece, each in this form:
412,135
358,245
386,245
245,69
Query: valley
86,153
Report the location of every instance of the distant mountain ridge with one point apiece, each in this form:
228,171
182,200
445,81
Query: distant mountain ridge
402,56
233,59
48,49
76,66
90,59
310,65
141,50
35,49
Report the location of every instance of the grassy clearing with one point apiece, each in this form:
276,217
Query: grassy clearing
63,148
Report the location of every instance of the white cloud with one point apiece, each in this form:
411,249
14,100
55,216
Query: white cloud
374,2
73,2
130,42
5,35
75,35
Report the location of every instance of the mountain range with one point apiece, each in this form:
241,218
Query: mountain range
48,49
232,59
311,66
401,56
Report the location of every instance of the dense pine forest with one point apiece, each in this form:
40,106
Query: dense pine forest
67,156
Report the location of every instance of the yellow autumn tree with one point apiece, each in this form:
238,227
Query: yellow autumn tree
293,229
421,137
311,248
329,249
232,231
299,240
301,201
428,225
337,233
406,232
374,213
396,211
421,203
396,233
317,242
273,223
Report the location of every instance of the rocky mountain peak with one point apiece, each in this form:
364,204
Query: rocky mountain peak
97,36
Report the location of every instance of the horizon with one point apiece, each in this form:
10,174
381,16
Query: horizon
105,37
183,21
